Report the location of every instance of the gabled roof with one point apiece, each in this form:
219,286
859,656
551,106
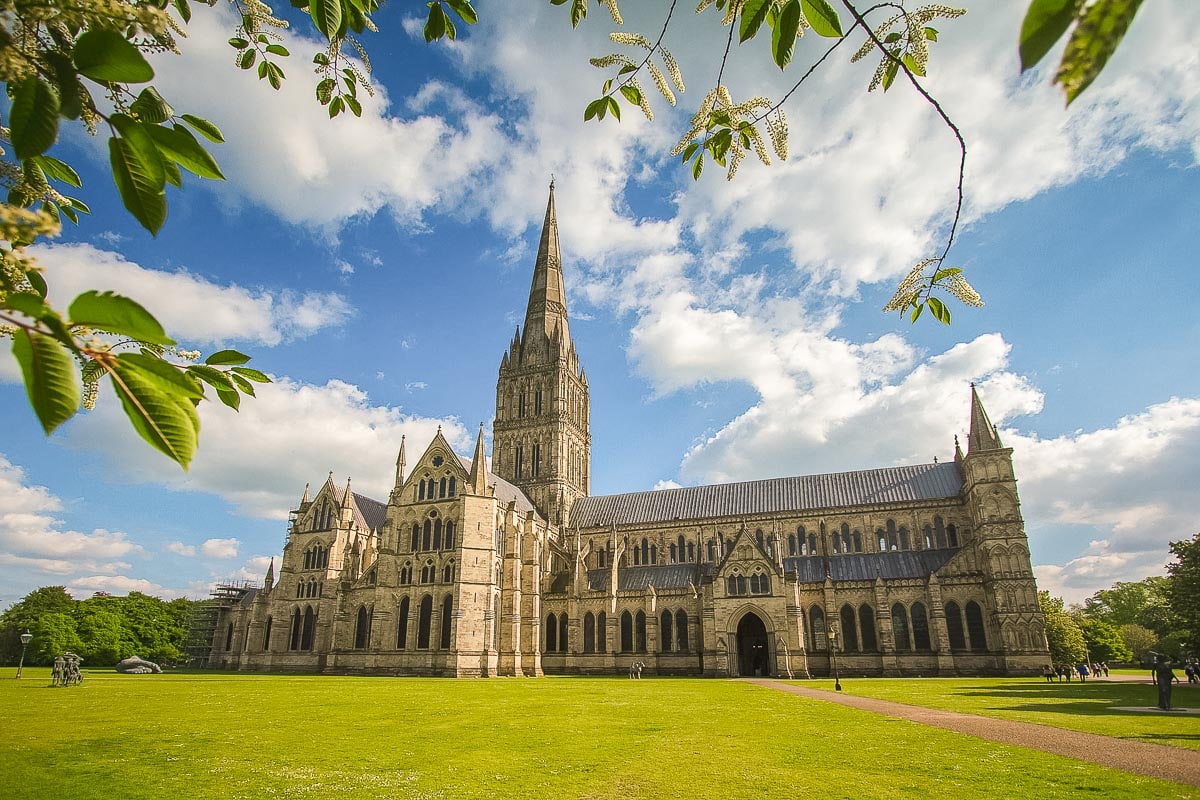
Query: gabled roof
371,512
505,491
892,565
772,496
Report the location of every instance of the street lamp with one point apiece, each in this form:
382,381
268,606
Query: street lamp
837,678
26,638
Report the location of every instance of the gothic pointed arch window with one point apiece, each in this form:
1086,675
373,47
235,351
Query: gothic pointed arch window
639,632
589,633
712,550
428,571
665,637
975,630
866,623
691,551
681,630
308,558
450,533
437,534
362,629
447,620
310,627
406,573
427,535
300,589
294,639
562,632
626,632
448,572
951,536
849,629
415,543
443,484
645,550
229,637
791,544
904,540
812,544
402,624
954,626
601,632
653,554
424,620
816,628
551,633
674,553
900,635
453,486
266,645
920,627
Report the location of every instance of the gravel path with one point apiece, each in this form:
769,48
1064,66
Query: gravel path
1177,764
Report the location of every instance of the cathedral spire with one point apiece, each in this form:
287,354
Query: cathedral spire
983,435
270,580
347,495
479,469
547,310
400,465
306,499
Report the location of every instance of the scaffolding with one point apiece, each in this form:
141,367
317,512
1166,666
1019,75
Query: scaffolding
202,626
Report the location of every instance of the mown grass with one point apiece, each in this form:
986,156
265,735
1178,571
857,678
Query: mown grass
1092,706
221,735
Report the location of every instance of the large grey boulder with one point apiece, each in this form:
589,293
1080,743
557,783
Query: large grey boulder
137,666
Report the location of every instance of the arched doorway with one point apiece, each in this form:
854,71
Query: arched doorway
753,653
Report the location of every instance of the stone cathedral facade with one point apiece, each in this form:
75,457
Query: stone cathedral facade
512,567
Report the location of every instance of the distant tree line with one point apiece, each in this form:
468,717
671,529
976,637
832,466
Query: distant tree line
1131,620
102,629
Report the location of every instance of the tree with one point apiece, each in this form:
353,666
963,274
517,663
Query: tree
1104,642
1183,591
1065,639
1142,603
25,614
56,57
1140,642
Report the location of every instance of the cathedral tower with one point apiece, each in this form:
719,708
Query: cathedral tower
541,440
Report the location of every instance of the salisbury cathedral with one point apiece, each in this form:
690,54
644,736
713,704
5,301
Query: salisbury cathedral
515,568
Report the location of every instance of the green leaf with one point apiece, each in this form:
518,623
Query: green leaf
179,145
224,358
243,384
327,16
354,106
823,18
252,374
578,12
946,272
58,170
172,175
753,14
593,108
614,107
1093,42
912,65
78,204
465,10
229,397
889,74
33,120
435,24
31,304
689,151
185,11
226,391
36,281
49,373
107,56
1045,23
783,37
165,418
916,312
67,82
698,166
939,310
151,107
117,314
70,214
204,128
139,178
246,59
931,34
325,91
278,50
336,106
167,376
631,94
238,43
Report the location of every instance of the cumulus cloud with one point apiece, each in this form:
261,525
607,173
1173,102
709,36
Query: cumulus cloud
88,585
260,459
220,548
191,308
181,549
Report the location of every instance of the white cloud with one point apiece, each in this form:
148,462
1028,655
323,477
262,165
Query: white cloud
191,308
290,434
31,537
86,586
220,548
181,549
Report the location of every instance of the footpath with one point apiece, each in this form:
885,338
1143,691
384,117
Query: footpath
1177,764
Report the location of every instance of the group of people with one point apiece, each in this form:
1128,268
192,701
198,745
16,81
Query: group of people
66,670
1064,672
1192,670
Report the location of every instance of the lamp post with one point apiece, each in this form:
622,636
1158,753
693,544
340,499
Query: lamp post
26,638
837,678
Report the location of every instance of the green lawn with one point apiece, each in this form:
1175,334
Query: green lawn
221,735
1089,706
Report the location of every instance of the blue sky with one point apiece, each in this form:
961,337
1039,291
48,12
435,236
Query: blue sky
730,330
